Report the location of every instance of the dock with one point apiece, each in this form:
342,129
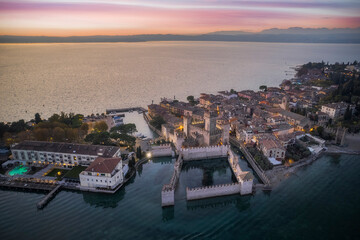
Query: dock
48,197
121,110
31,186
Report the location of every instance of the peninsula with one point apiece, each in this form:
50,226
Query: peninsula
276,129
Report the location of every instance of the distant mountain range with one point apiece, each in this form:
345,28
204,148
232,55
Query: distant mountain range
290,35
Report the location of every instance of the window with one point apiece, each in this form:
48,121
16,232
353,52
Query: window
96,180
103,174
89,173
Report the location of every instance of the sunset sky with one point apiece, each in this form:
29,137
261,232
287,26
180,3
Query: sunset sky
126,17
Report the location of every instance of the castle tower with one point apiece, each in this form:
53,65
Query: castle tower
284,103
179,140
225,133
210,121
187,122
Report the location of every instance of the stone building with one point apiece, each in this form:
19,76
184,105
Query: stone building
103,173
336,110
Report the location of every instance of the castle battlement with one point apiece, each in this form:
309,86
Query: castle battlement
211,187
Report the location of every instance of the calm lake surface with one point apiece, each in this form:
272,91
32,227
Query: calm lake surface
320,201
90,77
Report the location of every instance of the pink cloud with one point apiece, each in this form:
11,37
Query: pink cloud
83,19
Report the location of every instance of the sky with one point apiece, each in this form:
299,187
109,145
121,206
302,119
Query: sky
128,17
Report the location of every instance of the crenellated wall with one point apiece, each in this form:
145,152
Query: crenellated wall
246,187
212,191
167,196
204,152
161,151
167,192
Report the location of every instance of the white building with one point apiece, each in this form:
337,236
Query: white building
64,154
103,173
336,110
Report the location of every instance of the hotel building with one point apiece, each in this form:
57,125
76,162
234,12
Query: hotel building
64,154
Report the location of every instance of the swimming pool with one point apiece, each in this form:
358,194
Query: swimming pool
19,170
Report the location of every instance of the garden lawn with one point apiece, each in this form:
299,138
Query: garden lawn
74,172
54,173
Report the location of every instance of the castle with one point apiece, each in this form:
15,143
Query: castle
209,131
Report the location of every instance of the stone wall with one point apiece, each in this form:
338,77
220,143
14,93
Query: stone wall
167,192
167,197
212,191
204,152
163,150
246,187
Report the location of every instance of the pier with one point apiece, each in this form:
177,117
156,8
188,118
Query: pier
251,160
121,110
18,185
48,197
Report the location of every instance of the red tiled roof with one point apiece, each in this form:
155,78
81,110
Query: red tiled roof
103,165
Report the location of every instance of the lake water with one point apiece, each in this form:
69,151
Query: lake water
320,201
90,77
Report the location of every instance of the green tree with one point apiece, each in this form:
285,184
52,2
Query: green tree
128,128
124,138
157,121
58,134
41,134
263,88
37,118
84,127
138,152
347,114
54,118
99,138
71,134
191,100
3,128
101,126
18,126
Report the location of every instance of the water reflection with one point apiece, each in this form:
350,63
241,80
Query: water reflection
335,160
167,213
104,200
206,173
240,202
162,160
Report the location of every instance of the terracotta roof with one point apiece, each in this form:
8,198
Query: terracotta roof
103,165
270,143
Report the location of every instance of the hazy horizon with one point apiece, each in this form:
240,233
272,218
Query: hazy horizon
124,17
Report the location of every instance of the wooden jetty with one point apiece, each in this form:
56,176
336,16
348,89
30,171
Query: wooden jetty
48,197
26,185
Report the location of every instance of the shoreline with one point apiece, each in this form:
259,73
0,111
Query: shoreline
279,174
